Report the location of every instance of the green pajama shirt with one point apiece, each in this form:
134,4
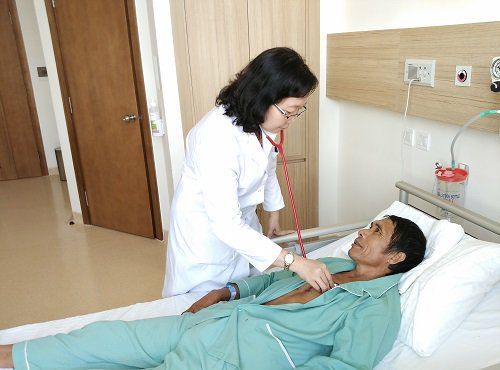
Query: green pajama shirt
351,326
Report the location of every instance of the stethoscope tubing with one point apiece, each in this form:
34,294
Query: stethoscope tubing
279,146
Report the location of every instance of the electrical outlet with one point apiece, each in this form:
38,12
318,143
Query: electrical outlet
426,71
423,140
408,136
463,75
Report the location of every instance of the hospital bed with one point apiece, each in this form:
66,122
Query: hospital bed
450,305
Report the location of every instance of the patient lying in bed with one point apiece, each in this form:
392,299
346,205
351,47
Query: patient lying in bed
277,321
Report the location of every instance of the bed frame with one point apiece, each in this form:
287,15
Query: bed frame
331,233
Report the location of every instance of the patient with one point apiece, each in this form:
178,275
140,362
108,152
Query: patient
276,322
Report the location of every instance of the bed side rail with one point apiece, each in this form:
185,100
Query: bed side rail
476,218
320,231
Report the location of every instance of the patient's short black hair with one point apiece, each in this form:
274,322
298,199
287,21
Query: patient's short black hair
409,239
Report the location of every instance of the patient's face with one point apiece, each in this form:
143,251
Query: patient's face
370,245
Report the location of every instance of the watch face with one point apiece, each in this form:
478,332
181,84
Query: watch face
288,258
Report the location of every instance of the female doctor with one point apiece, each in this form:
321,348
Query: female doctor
230,168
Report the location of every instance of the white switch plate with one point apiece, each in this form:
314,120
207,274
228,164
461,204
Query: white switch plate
423,140
408,136
463,75
426,71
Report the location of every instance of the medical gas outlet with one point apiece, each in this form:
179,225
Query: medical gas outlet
495,74
463,75
421,71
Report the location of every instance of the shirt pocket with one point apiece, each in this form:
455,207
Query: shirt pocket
282,346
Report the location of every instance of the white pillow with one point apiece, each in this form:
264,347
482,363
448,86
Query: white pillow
442,237
446,292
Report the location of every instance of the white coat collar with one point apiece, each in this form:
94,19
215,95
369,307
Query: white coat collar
249,143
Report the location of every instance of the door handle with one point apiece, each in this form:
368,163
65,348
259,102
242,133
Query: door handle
129,117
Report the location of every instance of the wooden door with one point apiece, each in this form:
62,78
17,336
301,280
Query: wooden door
96,54
20,142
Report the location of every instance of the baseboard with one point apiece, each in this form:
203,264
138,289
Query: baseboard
53,171
165,235
77,218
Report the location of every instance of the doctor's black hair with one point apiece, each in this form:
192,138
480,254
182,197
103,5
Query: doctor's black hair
409,239
270,77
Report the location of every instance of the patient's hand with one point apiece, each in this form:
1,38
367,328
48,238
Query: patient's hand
212,297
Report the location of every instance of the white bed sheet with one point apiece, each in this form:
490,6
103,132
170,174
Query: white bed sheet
474,345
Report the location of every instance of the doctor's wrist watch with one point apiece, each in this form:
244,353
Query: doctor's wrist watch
289,258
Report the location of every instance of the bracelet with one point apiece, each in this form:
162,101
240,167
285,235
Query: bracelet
232,291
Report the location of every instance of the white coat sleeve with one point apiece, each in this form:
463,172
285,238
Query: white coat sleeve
273,199
215,157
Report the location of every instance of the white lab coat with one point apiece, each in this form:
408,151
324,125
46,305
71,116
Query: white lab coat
214,230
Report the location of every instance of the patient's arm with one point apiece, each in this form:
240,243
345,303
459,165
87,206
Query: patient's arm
213,297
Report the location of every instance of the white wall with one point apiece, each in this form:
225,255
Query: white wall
360,145
174,145
41,91
149,58
160,78
57,105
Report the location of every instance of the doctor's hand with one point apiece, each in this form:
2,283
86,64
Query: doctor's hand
313,272
274,228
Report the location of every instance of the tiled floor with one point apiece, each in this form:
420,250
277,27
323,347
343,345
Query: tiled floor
51,270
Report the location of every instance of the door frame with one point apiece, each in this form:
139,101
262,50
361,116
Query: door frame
11,4
143,118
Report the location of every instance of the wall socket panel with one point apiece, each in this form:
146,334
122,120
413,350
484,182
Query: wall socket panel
408,136
425,70
423,140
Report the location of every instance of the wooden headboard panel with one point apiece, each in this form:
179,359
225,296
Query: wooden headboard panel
367,67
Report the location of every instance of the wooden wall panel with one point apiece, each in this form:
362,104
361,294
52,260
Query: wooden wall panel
222,52
361,67
288,29
288,21
352,58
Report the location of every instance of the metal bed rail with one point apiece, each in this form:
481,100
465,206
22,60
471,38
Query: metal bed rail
405,189
320,231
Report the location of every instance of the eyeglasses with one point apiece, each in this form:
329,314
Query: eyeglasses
289,115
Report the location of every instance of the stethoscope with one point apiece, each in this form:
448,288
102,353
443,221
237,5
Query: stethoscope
279,147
